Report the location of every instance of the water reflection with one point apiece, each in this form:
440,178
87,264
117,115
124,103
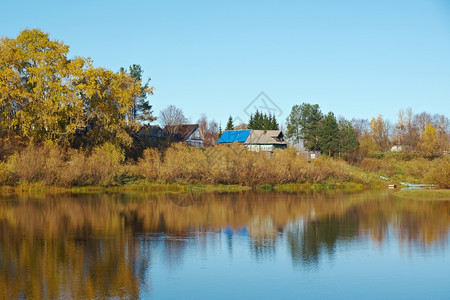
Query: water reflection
96,246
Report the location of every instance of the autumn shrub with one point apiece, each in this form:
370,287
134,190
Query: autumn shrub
184,163
233,164
150,163
288,167
328,170
371,164
222,164
55,166
29,165
415,170
230,164
104,165
439,172
75,172
7,175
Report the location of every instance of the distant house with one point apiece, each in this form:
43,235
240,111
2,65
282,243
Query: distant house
148,136
255,140
397,148
189,133
265,140
150,133
309,155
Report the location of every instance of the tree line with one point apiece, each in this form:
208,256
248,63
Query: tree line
417,134
309,127
47,97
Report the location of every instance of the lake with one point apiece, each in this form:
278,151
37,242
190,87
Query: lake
248,245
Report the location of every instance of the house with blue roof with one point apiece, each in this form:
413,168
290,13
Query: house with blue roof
255,140
234,136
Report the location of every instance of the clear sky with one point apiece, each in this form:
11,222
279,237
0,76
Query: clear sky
355,58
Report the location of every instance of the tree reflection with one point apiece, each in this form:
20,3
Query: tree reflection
100,246
309,241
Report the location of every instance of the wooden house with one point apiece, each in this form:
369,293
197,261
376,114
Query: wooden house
265,140
148,136
189,133
255,140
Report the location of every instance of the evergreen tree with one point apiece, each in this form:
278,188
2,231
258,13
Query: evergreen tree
303,123
293,130
251,122
329,135
274,123
262,121
220,130
266,122
347,138
230,125
141,109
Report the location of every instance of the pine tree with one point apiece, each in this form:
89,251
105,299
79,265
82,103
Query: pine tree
251,122
230,125
262,121
329,135
274,123
303,124
141,109
220,130
347,138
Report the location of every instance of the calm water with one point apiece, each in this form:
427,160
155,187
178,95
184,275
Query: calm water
224,246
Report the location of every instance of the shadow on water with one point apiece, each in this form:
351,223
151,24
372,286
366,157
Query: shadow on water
96,246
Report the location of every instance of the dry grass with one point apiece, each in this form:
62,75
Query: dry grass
55,166
413,170
179,164
231,164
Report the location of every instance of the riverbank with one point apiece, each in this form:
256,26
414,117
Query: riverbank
219,166
152,187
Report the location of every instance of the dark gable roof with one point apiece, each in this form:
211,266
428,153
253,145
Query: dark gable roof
266,137
153,131
180,132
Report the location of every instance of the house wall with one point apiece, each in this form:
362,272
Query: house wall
265,147
195,139
309,155
260,148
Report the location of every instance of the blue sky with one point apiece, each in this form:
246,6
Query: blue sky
355,58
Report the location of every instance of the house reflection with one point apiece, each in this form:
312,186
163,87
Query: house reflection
103,246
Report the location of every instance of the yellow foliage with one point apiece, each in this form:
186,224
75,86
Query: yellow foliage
378,132
429,144
46,96
368,146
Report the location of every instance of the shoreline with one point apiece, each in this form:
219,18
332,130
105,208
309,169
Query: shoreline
153,187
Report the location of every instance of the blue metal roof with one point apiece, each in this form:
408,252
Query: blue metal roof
232,136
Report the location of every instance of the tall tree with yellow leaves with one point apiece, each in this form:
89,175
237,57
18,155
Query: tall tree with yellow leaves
46,96
379,132
429,144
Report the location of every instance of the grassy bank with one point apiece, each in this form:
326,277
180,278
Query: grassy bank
425,194
142,186
406,168
179,166
153,187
